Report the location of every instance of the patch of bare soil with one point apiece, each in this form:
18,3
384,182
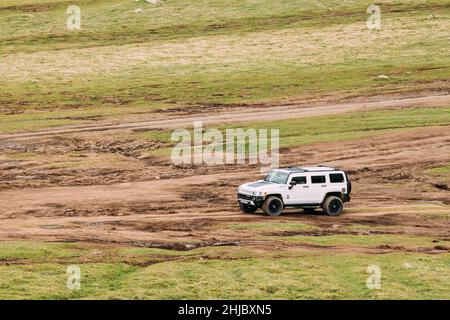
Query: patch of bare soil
154,204
44,167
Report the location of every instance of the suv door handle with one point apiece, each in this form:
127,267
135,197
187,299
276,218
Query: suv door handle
305,187
324,185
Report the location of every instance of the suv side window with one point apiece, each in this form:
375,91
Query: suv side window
299,180
336,177
318,179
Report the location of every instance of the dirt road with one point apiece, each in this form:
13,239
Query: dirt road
155,204
255,114
194,209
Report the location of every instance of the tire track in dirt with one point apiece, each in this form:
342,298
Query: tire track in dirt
394,158
255,114
406,151
155,190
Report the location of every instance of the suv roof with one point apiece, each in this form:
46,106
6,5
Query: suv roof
307,169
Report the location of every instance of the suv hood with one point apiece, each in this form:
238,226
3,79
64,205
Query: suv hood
256,188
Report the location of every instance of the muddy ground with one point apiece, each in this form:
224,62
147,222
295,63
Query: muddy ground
148,202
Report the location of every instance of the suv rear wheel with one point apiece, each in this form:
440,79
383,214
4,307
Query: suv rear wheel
246,208
333,206
273,206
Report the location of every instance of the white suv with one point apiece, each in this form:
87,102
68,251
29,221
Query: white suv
307,188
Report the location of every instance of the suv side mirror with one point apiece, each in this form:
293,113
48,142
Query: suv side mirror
292,184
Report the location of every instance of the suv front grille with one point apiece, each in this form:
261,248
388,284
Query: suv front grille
245,196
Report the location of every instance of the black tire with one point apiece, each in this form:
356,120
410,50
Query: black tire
273,206
333,206
309,210
246,208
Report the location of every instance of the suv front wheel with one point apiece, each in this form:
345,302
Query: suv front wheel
333,206
273,206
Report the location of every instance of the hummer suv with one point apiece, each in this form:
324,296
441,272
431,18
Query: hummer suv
307,187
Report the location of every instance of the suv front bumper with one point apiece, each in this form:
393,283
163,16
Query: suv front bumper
256,201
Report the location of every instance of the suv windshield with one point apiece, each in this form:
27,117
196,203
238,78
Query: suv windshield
276,177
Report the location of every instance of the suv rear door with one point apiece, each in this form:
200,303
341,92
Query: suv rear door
318,186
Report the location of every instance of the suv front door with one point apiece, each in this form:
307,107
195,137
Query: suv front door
299,193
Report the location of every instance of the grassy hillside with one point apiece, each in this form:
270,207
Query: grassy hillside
296,132
239,273
209,53
132,59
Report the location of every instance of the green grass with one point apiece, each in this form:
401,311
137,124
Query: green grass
441,170
304,277
442,173
264,230
294,132
39,252
31,121
36,25
364,240
250,274
48,280
303,131
209,53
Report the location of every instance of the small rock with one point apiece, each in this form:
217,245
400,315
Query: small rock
25,177
335,226
407,265
138,10
431,17
382,76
